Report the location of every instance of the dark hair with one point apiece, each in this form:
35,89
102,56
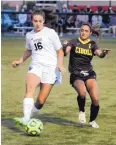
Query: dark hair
38,12
94,29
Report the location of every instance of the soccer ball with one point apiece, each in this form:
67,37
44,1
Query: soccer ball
34,127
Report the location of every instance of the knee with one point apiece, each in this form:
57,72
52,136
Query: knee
95,101
82,94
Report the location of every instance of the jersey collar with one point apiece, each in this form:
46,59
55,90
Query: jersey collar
83,42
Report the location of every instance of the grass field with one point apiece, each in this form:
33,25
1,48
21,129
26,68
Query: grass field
59,115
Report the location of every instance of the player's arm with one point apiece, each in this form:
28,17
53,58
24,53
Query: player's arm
58,48
98,52
66,47
60,56
101,53
26,55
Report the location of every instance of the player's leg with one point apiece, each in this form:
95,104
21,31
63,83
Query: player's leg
92,88
79,86
32,81
48,79
42,96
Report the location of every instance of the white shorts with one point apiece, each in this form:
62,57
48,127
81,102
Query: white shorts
47,74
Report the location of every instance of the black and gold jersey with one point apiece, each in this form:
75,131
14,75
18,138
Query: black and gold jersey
81,55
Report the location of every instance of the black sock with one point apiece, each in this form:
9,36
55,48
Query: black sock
38,106
81,103
94,112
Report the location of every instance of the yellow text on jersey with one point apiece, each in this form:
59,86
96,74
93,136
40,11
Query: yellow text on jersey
83,51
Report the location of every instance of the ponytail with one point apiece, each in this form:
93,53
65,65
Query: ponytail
95,30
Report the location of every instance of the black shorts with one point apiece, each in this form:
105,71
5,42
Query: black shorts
80,76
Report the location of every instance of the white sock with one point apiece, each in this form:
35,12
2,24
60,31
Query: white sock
34,109
28,104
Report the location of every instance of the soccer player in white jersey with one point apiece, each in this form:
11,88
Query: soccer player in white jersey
45,49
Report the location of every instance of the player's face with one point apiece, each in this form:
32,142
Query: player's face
38,22
85,32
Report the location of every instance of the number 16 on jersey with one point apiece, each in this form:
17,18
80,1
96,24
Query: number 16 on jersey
38,46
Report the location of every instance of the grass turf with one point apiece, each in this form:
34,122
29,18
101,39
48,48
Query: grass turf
59,115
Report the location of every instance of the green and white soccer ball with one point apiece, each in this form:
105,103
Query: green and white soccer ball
34,127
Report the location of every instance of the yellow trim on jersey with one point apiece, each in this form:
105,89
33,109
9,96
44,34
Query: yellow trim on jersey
84,42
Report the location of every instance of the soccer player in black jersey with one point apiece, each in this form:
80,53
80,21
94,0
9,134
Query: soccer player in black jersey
82,75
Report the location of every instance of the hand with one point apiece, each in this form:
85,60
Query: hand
106,51
61,68
16,63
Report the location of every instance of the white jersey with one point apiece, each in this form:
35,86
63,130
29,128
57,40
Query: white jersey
43,45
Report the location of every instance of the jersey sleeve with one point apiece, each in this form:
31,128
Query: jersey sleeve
27,45
94,47
72,43
55,40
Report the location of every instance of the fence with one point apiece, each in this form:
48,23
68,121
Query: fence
13,23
